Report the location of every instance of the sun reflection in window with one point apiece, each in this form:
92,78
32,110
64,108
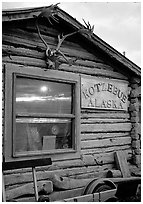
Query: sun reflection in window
43,88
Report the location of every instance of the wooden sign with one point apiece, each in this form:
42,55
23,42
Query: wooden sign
103,93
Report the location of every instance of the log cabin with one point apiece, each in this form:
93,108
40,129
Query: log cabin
68,96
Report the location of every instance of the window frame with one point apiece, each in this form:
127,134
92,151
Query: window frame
11,72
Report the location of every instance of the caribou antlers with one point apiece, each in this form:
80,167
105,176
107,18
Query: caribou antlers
53,55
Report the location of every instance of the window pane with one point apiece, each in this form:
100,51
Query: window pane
39,96
42,134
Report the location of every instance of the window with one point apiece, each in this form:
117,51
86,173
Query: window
44,110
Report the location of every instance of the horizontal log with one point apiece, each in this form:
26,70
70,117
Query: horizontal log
101,174
115,127
38,45
105,143
102,158
16,178
50,40
25,61
56,196
94,72
65,183
26,199
103,120
33,36
105,114
105,149
46,186
100,136
20,51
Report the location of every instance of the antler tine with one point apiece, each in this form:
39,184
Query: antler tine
63,38
85,23
55,5
41,35
55,19
89,26
92,28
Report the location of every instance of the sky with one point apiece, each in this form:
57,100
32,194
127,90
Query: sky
117,23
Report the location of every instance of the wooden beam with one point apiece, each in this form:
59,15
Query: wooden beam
26,163
122,164
115,127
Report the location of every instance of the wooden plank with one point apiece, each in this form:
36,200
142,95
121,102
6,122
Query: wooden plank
19,33
93,71
105,195
35,183
108,158
101,120
63,67
20,51
102,158
46,186
3,190
105,142
66,183
115,127
93,136
26,199
126,180
103,114
26,163
99,150
122,164
30,43
25,61
18,177
82,198
60,195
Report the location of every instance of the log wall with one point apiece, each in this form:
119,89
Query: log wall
102,132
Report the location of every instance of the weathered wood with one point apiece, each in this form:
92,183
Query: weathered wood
103,115
68,183
125,180
63,67
122,164
35,183
99,136
105,142
107,158
16,178
115,127
83,198
99,150
94,72
26,163
20,51
12,40
49,39
101,120
60,195
46,186
114,174
25,61
3,190
102,158
25,199
105,195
